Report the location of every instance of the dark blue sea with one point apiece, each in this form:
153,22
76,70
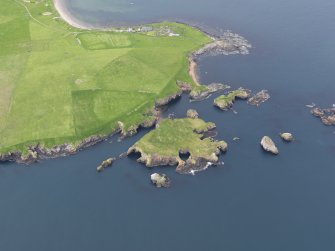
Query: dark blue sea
254,202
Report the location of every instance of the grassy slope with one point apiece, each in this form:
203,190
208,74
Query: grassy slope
171,136
59,84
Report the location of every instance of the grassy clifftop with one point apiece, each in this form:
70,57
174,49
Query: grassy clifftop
59,84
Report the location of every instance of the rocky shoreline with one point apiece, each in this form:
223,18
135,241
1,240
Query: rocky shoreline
228,43
327,116
194,162
38,152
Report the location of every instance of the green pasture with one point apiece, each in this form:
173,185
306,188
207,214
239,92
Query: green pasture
60,84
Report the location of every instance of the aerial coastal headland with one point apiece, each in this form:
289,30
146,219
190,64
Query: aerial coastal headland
65,86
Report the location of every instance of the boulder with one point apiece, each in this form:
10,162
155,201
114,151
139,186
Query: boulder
287,136
160,180
259,98
268,145
193,114
106,163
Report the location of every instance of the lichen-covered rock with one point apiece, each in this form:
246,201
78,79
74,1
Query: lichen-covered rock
268,145
193,114
287,136
160,180
106,163
259,98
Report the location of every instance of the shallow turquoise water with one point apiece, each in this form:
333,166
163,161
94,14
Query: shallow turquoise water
253,202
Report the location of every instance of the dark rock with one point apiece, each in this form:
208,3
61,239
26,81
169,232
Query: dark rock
259,98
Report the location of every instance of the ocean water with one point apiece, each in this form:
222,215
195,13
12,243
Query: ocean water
254,201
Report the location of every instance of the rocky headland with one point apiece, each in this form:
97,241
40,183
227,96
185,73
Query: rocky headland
204,91
225,102
227,44
175,137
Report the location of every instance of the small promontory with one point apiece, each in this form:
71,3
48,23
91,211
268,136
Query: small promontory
225,102
173,138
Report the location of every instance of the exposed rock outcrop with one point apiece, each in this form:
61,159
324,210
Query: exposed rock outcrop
106,163
259,98
268,145
184,86
204,92
228,43
168,99
327,116
193,114
160,180
287,136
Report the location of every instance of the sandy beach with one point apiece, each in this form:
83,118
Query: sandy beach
193,66
68,17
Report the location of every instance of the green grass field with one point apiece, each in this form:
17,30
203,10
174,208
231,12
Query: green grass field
59,84
173,136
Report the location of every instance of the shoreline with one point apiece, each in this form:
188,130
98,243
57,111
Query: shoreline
193,70
67,17
36,152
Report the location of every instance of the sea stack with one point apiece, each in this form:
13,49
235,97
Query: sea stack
268,145
160,180
286,136
106,163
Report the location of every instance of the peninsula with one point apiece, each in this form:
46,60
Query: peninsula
66,86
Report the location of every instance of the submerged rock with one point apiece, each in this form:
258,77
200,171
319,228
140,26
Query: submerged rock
106,163
268,145
259,98
287,136
193,114
160,180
